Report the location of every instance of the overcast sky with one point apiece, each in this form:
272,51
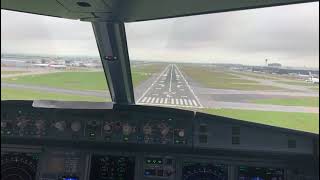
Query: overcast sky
286,34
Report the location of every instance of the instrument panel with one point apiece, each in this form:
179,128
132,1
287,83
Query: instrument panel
98,126
54,164
137,143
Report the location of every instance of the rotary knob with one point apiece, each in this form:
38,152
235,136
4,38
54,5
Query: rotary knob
164,129
126,129
3,124
61,125
40,124
22,124
76,126
181,133
107,127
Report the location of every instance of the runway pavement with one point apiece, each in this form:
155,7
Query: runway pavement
170,88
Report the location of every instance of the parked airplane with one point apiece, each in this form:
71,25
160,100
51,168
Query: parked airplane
312,79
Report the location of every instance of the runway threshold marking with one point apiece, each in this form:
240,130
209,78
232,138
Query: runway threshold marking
144,94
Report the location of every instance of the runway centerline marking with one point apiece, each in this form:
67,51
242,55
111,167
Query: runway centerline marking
170,85
178,93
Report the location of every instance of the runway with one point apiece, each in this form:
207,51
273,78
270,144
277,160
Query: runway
170,88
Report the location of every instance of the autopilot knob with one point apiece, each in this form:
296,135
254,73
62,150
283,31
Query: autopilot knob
61,125
107,127
40,124
76,126
181,133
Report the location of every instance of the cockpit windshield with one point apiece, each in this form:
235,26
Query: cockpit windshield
257,65
49,58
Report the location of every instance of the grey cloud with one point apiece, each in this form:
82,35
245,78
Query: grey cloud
288,32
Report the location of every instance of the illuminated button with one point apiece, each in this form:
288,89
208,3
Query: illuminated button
154,161
92,134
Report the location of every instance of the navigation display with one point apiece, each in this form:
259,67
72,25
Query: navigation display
260,173
204,171
112,168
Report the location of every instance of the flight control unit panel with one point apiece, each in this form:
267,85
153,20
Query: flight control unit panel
145,143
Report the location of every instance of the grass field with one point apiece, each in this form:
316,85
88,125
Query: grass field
298,101
222,80
258,76
299,121
139,74
299,83
64,80
12,72
18,94
79,80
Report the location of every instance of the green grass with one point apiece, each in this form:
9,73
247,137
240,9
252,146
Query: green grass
258,76
315,88
80,80
308,122
140,74
21,94
65,80
298,101
222,80
12,72
298,83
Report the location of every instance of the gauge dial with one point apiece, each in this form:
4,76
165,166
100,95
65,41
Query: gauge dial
76,126
18,166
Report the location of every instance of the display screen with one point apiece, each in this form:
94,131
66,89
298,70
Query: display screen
260,173
56,165
70,178
112,168
204,171
16,165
